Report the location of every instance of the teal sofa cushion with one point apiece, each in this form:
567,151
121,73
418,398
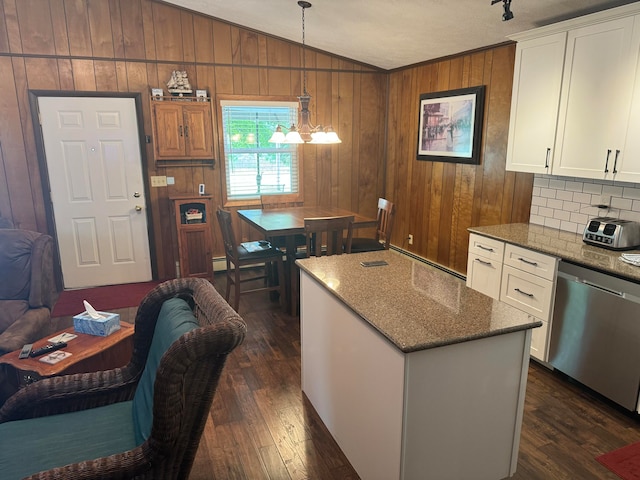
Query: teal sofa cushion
175,319
37,444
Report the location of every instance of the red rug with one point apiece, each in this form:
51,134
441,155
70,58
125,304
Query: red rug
624,462
101,298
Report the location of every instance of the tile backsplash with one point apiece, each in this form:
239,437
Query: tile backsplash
567,203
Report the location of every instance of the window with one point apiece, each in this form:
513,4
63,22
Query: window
253,166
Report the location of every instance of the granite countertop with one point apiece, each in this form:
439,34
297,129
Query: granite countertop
413,304
564,245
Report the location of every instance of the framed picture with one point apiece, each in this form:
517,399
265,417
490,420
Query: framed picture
450,125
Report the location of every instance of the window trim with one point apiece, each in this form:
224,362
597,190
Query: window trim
258,202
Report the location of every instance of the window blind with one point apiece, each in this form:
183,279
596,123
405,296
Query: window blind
253,166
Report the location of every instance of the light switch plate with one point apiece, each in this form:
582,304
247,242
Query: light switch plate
159,181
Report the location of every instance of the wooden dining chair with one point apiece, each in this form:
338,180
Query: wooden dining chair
238,255
329,235
325,236
268,202
382,239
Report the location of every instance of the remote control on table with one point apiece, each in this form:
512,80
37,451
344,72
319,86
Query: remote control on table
26,350
48,349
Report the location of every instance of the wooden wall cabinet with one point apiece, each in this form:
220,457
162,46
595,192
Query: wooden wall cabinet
182,130
193,217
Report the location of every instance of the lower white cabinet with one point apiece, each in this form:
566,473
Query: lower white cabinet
484,265
520,277
483,275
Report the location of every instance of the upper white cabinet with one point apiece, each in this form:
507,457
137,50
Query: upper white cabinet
574,87
596,98
537,79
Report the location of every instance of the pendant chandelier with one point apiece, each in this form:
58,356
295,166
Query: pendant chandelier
305,131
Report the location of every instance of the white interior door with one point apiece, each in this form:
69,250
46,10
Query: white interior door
97,189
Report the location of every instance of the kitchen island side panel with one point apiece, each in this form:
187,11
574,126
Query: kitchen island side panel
354,378
464,407
449,412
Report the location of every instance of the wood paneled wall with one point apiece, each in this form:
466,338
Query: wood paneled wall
437,201
132,46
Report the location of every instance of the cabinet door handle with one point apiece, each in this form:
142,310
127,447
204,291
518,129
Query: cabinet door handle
546,161
530,295
615,162
488,264
606,163
180,130
488,249
528,262
186,130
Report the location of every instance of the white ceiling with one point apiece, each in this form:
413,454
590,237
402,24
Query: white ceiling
394,33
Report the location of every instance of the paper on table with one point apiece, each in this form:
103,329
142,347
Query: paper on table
63,337
55,357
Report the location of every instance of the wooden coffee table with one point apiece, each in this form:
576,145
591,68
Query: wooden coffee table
89,353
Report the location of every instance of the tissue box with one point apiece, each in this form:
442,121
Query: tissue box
102,327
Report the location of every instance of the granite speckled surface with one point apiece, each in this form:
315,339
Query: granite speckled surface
564,245
414,305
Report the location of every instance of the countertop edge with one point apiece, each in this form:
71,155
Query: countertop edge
418,346
566,246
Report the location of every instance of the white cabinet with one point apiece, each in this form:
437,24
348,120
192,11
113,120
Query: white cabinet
529,284
596,97
484,265
628,167
537,79
593,111
517,276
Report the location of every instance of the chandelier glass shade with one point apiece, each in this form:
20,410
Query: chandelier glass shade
304,131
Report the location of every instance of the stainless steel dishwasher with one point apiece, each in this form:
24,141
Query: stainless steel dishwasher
595,334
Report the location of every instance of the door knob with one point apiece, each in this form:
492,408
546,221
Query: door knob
138,208
136,194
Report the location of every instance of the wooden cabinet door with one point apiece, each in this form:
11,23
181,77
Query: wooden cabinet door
596,96
195,244
195,240
168,130
535,101
198,130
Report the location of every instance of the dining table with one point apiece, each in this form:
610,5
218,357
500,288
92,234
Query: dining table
287,222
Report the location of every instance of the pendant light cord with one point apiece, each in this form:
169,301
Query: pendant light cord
304,55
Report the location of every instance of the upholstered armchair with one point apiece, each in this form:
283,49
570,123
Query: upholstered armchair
27,287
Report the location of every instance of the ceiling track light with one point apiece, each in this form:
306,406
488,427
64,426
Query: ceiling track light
508,14
305,131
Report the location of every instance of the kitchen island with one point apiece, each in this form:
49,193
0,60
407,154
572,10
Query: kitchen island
415,375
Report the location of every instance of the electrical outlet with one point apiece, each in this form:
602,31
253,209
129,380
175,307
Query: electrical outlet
605,200
410,238
158,181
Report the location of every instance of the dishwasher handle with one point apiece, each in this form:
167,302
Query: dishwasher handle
600,287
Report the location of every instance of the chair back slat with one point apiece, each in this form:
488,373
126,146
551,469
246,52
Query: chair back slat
386,214
228,235
333,233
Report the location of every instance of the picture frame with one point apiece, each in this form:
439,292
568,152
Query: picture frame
450,125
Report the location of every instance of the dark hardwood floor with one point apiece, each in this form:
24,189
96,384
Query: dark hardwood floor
262,427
